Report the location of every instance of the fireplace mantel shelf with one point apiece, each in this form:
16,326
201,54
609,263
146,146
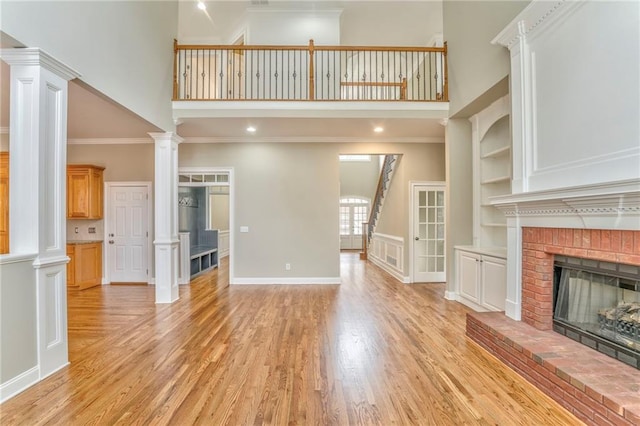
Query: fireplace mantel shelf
605,198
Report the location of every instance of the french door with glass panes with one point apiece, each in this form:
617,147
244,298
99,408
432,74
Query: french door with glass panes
353,211
428,233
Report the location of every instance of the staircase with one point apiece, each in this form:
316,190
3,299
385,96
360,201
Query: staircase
384,182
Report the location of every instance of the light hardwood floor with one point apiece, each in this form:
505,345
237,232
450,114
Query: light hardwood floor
370,351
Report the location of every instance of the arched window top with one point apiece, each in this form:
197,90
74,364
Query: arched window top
354,200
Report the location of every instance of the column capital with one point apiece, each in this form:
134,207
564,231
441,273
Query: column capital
34,56
166,136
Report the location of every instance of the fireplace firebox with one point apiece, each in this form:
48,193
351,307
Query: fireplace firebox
597,303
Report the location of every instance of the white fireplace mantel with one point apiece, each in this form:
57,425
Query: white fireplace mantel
614,205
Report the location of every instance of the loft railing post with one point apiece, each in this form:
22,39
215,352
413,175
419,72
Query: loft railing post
403,90
175,69
445,88
311,71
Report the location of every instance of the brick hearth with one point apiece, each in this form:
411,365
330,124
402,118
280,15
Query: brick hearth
597,389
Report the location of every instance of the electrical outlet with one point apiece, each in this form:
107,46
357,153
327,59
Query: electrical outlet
92,230
76,230
287,266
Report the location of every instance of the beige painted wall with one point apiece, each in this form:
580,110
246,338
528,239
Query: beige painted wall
123,162
419,163
132,66
18,317
359,178
4,142
459,212
475,65
288,196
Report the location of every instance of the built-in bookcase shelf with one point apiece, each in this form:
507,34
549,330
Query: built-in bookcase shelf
492,172
499,152
496,180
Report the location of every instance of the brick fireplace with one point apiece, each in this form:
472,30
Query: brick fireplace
539,245
595,388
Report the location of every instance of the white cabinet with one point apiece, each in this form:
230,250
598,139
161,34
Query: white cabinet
481,278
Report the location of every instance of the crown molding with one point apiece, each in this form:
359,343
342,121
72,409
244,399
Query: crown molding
252,139
34,56
533,19
108,141
310,139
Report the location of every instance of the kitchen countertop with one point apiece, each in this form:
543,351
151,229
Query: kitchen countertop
83,241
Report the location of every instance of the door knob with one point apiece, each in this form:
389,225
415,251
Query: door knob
110,241
417,238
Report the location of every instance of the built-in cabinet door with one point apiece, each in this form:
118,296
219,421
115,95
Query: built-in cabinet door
494,282
77,194
84,192
468,275
96,191
88,265
71,266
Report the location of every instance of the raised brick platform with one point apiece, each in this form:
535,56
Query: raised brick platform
595,388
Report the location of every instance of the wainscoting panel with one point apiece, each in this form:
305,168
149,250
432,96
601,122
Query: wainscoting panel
387,251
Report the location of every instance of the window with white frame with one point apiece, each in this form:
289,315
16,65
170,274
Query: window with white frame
353,211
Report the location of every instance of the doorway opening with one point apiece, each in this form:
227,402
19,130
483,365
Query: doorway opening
205,220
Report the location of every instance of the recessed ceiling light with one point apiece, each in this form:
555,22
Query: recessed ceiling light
378,129
202,6
251,129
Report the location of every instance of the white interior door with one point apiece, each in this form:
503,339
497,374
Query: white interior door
128,233
428,234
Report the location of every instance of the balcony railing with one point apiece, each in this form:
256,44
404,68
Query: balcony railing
309,73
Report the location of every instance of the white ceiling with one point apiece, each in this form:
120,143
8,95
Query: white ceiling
312,129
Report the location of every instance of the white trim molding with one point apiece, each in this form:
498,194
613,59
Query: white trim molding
232,196
287,280
312,139
602,206
387,252
14,386
109,141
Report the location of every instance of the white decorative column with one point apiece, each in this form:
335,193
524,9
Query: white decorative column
166,216
38,160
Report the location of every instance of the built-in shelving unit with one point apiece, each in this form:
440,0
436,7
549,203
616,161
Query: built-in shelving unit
481,268
492,172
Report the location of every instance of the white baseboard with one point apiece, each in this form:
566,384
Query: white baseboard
385,267
406,280
451,295
152,281
19,383
286,280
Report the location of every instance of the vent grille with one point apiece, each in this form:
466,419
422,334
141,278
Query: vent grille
259,2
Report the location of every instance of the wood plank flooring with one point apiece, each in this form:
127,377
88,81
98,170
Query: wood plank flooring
369,351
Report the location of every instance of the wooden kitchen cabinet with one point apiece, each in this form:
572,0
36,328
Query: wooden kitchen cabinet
85,268
84,191
71,266
4,202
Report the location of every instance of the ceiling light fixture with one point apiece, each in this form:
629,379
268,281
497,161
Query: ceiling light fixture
378,129
251,129
202,6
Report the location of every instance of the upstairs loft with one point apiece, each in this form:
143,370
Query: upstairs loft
309,81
